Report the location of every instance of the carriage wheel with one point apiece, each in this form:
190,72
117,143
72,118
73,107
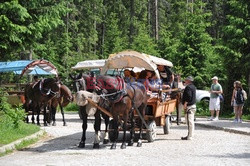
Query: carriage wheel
151,135
166,127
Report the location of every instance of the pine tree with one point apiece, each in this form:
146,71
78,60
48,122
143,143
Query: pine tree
235,44
195,46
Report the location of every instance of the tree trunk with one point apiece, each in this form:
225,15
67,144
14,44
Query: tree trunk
103,33
132,12
95,29
149,15
248,86
156,21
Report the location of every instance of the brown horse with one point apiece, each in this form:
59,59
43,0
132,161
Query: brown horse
62,100
38,95
87,83
124,98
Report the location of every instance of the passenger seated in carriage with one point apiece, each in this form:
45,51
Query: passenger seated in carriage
35,79
129,76
145,77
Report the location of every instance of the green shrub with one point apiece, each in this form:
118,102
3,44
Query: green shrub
246,117
202,108
72,107
10,117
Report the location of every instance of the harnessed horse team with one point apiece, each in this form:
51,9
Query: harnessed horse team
120,98
46,93
112,93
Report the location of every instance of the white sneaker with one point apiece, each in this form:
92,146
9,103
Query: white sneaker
215,119
210,119
235,120
240,120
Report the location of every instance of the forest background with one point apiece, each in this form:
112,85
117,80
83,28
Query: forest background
202,38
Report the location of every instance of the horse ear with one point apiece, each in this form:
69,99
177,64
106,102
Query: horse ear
72,77
80,75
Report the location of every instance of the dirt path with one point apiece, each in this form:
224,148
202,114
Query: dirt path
210,147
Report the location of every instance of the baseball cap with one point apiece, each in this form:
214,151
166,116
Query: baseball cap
215,78
190,78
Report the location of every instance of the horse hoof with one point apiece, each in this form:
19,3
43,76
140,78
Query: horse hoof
54,124
45,124
139,144
130,143
123,146
81,145
105,141
113,146
96,146
64,124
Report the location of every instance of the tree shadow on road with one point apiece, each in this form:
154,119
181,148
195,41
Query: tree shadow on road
229,155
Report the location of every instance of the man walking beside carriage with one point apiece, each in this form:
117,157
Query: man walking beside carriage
189,105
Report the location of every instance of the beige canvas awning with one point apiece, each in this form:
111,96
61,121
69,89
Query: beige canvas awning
89,64
130,59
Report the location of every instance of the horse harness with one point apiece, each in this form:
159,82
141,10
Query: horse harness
45,91
119,94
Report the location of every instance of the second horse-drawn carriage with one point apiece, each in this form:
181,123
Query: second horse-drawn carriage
39,93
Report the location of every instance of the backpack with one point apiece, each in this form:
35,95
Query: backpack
221,98
239,97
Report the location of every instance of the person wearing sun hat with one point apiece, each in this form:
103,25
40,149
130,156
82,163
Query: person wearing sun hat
189,105
214,103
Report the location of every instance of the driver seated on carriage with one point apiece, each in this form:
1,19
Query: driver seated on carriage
166,75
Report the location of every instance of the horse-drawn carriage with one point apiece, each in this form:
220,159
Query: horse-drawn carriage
19,93
159,106
131,97
15,90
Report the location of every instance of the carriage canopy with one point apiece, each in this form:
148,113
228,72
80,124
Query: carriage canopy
23,67
131,59
89,64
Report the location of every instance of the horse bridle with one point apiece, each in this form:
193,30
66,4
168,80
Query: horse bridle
80,86
45,91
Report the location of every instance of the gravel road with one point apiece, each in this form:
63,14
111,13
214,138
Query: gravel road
209,147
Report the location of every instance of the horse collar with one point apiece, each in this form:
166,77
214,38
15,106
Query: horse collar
119,94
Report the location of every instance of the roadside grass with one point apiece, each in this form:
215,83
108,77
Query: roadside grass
9,134
71,107
26,143
6,152
23,144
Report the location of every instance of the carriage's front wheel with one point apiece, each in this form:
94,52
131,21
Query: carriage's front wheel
151,134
